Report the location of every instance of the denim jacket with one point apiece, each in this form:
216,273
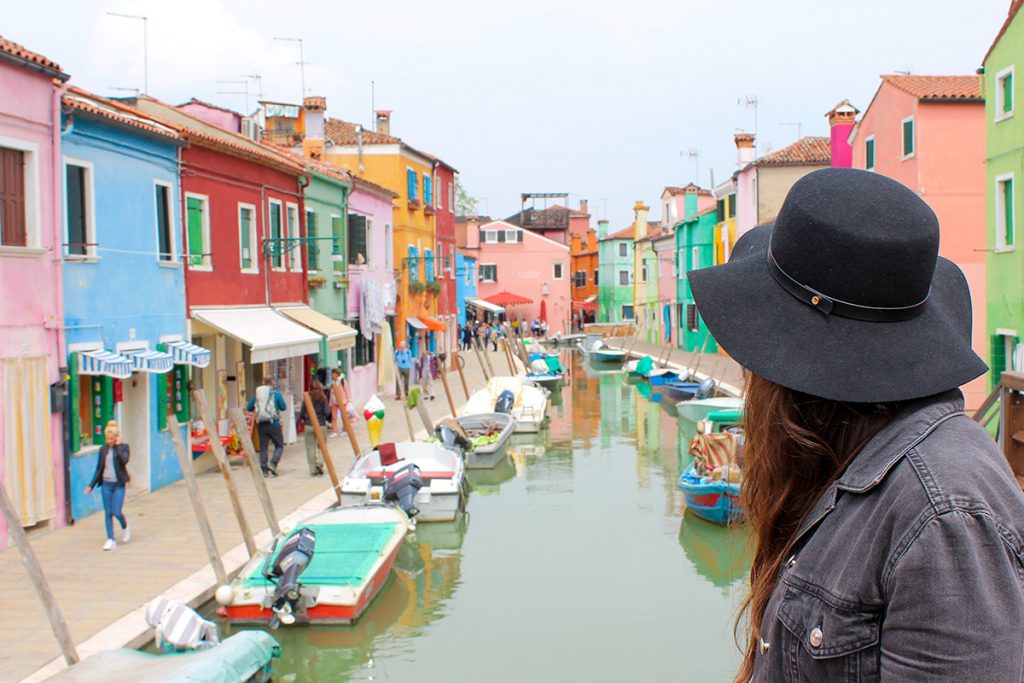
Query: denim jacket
910,567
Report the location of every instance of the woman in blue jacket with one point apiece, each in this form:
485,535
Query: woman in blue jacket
112,476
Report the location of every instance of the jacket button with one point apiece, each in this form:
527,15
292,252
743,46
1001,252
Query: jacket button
764,646
815,637
791,562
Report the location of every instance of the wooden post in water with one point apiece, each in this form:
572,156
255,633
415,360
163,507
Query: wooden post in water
39,582
700,356
508,356
225,470
346,421
459,362
189,475
448,391
322,442
238,419
480,360
408,419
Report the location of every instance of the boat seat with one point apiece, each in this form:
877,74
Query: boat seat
437,474
388,453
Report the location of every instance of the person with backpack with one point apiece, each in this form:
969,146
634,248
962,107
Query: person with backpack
268,403
322,414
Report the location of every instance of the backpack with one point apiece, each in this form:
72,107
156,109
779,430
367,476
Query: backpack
266,406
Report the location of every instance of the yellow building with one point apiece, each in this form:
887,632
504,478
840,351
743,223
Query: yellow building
725,230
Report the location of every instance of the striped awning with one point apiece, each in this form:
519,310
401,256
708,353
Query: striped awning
184,353
144,360
415,323
104,363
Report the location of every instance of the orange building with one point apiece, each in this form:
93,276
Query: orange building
583,267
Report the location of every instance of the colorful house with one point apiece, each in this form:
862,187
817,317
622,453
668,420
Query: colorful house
127,358
725,214
1004,162
695,249
465,279
928,133
444,236
665,260
584,269
615,300
31,340
646,306
554,221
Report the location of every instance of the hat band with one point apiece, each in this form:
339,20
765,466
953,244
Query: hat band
832,306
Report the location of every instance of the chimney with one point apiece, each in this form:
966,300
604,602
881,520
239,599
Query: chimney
383,121
841,119
640,220
313,109
473,232
583,206
744,148
602,228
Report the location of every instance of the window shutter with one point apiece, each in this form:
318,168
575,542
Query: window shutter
519,235
103,406
12,198
869,154
908,137
1008,211
162,380
194,208
998,357
74,397
1008,93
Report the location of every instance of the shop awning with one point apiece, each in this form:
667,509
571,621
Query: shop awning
507,299
105,363
339,335
184,353
591,299
485,305
415,323
584,305
150,361
432,323
269,336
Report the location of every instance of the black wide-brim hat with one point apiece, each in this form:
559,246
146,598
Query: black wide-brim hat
844,297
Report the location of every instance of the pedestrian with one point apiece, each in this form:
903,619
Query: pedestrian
333,401
322,413
267,403
487,336
887,524
495,334
403,361
515,328
112,476
543,329
425,372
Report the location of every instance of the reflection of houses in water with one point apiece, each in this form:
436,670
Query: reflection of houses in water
430,566
722,555
617,408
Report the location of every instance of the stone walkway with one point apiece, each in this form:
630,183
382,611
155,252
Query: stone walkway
101,594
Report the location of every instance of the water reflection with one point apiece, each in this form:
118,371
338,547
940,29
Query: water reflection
721,555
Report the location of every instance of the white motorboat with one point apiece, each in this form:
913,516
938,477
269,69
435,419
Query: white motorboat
488,435
529,406
440,470
696,410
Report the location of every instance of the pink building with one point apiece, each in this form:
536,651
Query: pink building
213,115
31,314
665,252
375,203
511,259
675,206
928,132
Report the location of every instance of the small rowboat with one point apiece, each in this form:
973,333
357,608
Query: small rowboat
677,390
606,354
697,409
711,484
492,431
548,380
715,501
659,378
529,406
347,561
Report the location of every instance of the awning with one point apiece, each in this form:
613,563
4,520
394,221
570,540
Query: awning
105,363
415,323
486,305
270,336
507,299
150,361
590,299
584,305
184,353
432,323
339,335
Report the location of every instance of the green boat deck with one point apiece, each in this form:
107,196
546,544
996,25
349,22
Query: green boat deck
344,553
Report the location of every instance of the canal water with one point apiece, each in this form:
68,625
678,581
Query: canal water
575,561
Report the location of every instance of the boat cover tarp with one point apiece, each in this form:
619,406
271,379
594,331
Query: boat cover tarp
644,366
344,553
235,659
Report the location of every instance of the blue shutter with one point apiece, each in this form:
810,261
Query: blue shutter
428,190
414,266
410,176
428,258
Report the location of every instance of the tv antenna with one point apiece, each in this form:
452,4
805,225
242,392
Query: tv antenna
750,102
145,44
694,153
799,127
302,63
259,83
245,91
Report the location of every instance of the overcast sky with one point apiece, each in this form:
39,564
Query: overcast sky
602,99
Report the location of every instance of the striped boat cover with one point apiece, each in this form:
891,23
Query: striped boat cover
150,361
711,451
184,353
179,626
104,363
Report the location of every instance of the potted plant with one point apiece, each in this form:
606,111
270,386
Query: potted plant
433,287
416,287
317,281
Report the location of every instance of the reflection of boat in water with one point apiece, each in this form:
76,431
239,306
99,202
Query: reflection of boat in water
722,555
486,482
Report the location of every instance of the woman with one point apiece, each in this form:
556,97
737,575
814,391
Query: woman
426,372
888,525
322,413
111,476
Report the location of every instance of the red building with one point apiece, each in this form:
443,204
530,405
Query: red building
444,235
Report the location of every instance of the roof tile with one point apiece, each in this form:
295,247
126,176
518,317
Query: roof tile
806,150
16,50
937,87
79,100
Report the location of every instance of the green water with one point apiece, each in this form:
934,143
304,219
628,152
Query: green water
574,562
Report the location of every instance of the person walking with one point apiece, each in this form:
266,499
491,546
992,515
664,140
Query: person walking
496,333
332,399
426,372
403,361
487,335
112,476
322,414
268,403
887,524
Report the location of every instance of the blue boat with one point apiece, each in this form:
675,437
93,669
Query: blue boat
661,377
715,501
678,390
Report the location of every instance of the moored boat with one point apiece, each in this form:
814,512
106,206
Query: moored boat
606,354
529,402
662,376
327,570
711,485
677,390
488,435
696,410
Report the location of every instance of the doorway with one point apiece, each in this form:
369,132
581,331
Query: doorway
134,422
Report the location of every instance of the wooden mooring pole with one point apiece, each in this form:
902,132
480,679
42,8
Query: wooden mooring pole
346,421
322,443
238,419
459,363
447,391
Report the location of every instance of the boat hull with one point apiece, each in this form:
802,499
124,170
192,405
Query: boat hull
717,502
605,356
695,411
475,460
433,506
679,391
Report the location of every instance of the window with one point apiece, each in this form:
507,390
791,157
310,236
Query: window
720,210
438,192
451,197
595,277
695,257
411,188
908,137
276,261
364,352
356,239
1004,94
387,248
869,153
1003,353
488,272
450,266
1005,229
428,265
164,223
14,207
692,318
556,271
623,277
294,250
198,231
313,244
248,252
172,395
513,236
643,271
627,312
428,190
581,278
81,227
623,249
468,267
338,233
491,236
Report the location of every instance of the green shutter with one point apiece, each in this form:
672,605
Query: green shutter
102,406
998,358
161,400
194,208
245,236
338,233
74,392
908,137
275,234
182,399
1008,212
1008,93
869,154
312,246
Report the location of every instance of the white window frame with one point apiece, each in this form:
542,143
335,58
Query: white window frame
1000,236
437,192
451,260
254,251
643,271
913,139
388,251
1000,77
513,234
490,237
874,149
623,250
295,253
557,270
480,270
205,248
695,257
423,180
270,235
173,260
90,210
619,278
451,196
336,266
33,229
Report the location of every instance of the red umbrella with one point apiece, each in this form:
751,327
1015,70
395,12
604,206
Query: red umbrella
543,310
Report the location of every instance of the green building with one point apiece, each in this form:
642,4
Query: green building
695,249
615,265
646,306
1004,132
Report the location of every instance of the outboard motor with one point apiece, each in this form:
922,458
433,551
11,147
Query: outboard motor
293,558
401,488
506,400
451,439
705,390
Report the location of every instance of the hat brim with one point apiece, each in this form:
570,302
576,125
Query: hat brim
773,334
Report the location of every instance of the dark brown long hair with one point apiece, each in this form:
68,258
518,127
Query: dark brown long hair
796,446
316,391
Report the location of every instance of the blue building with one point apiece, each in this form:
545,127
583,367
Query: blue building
124,291
465,282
